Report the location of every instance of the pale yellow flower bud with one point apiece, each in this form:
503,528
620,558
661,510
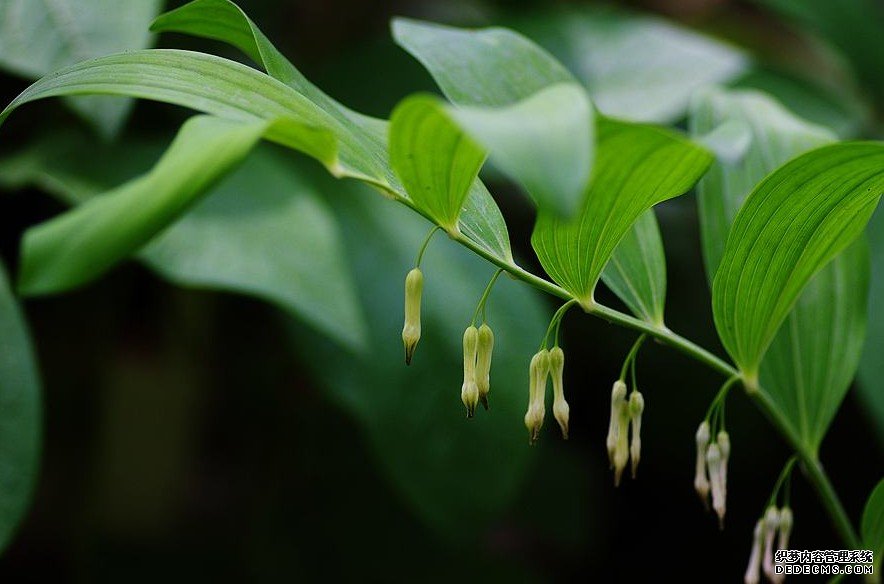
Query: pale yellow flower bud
411,332
724,445
636,407
621,451
713,463
701,481
469,393
618,397
753,571
786,521
483,363
538,373
561,409
771,524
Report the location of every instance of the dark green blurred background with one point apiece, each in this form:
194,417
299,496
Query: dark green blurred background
196,435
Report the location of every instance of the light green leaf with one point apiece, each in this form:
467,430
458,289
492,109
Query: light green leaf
635,66
637,166
37,38
871,367
774,135
636,272
20,416
872,525
436,162
794,222
80,245
517,100
413,417
812,360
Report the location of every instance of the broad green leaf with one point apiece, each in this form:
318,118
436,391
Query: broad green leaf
637,167
81,244
872,525
791,225
871,367
262,231
635,66
413,418
37,38
436,162
774,136
539,134
813,358
20,416
636,272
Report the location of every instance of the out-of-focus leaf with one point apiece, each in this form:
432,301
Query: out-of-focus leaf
791,225
636,272
813,358
20,417
853,26
37,38
436,162
871,367
775,135
81,244
413,416
637,167
872,525
517,100
635,66
263,230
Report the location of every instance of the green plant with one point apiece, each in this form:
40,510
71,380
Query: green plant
783,205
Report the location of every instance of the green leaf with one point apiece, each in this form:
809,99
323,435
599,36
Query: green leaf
635,66
517,100
812,360
872,524
871,367
413,417
81,244
37,38
791,225
637,167
436,162
769,136
636,272
20,415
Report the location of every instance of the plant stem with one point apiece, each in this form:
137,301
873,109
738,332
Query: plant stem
484,299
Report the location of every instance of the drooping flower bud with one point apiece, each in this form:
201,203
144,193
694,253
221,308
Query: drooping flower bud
621,450
786,521
411,332
724,446
537,374
753,571
618,397
636,407
713,463
771,524
701,481
483,363
561,409
469,392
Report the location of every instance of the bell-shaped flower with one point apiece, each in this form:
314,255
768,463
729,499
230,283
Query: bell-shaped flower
483,363
561,409
701,480
411,332
469,393
537,375
636,407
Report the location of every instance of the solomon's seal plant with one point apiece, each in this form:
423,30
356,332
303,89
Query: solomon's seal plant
783,206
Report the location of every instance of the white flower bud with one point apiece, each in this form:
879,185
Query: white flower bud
618,397
561,410
786,521
483,363
469,393
701,482
411,332
538,373
713,463
724,446
753,571
621,451
771,524
636,407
